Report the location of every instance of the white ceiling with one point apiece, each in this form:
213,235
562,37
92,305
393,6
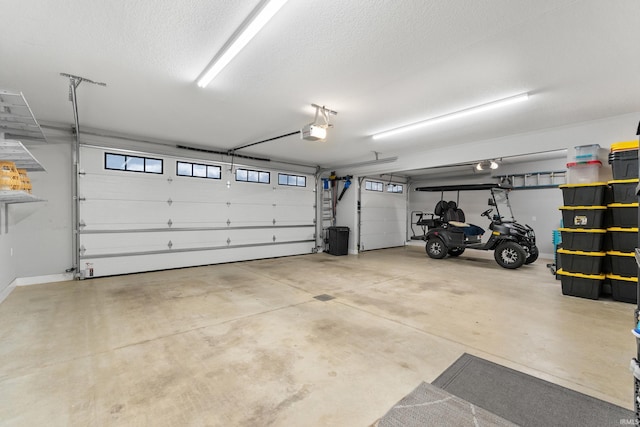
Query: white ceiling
379,63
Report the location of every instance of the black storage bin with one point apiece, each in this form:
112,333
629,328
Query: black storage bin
583,239
624,190
581,285
583,216
622,264
588,263
605,288
589,194
624,214
624,164
338,240
624,289
621,239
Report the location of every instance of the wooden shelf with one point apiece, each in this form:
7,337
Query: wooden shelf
18,197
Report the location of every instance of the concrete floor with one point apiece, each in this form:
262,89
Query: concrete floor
246,344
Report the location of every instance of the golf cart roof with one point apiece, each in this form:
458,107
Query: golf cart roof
463,187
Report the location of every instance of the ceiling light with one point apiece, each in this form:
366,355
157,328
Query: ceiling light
487,164
454,115
265,10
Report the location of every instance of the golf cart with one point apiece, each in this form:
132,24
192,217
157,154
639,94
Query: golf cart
447,232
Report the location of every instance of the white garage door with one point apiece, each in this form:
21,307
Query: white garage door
142,212
383,213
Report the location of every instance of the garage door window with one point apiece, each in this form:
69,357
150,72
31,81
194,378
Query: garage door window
246,175
292,180
394,188
373,186
132,163
197,170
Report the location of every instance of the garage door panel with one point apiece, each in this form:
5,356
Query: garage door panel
250,215
132,264
188,220
383,213
95,244
122,243
126,186
382,240
124,214
294,214
248,193
286,194
382,219
197,189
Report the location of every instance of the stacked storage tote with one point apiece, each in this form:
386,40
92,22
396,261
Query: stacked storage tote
581,256
621,266
619,167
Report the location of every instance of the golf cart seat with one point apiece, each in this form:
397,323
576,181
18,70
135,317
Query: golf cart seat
454,216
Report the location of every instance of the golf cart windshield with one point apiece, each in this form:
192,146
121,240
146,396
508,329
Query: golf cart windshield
503,208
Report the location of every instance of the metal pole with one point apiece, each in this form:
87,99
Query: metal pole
73,84
233,150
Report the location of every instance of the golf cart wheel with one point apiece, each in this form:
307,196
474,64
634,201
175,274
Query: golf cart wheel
510,255
456,251
436,248
533,255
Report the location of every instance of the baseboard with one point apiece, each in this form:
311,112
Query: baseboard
6,291
38,280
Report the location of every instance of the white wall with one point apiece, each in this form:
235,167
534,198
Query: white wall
38,242
7,267
42,231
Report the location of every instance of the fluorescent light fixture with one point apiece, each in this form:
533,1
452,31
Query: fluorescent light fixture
265,10
454,115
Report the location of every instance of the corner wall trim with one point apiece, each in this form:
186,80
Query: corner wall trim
37,280
6,291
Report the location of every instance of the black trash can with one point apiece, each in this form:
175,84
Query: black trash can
338,240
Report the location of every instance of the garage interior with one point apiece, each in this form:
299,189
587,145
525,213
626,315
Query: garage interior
172,261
